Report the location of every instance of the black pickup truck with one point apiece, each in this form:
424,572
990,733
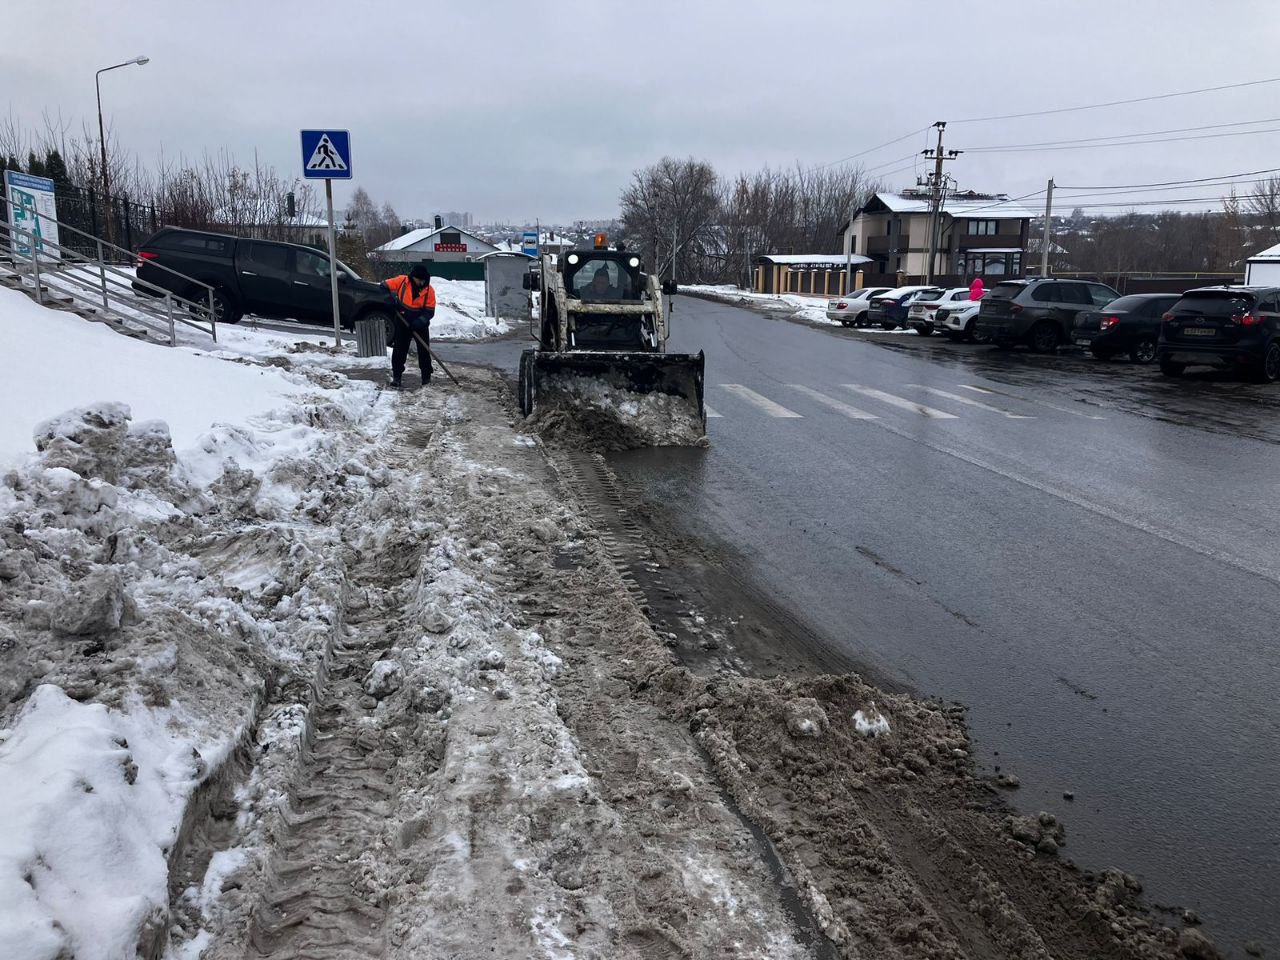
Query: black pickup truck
261,277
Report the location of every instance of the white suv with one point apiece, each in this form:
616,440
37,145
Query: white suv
956,320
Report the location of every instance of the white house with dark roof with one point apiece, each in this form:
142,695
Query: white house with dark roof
980,235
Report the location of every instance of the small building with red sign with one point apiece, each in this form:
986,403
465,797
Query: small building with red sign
446,244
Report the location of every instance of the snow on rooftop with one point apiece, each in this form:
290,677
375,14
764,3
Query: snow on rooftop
1269,254
791,259
997,208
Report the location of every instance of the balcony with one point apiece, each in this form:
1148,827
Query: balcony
883,244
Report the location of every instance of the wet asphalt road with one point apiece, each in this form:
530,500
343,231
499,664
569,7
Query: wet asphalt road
1082,553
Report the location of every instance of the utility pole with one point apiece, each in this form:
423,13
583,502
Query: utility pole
935,201
848,253
1044,242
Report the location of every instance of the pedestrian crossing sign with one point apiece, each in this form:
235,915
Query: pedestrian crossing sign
326,154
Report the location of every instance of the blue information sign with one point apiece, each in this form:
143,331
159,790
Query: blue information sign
326,154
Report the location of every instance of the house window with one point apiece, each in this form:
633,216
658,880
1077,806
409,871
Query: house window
983,228
451,237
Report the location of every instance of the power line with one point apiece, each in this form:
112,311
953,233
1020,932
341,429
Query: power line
1125,143
887,163
1232,184
1117,103
1126,136
863,153
1176,183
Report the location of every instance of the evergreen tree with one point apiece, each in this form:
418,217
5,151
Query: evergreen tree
56,170
35,166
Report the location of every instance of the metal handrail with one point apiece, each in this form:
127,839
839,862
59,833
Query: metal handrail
38,245
108,245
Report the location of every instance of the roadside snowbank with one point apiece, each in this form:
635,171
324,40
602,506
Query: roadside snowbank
147,598
793,306
55,360
813,309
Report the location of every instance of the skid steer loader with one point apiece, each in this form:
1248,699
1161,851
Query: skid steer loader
601,357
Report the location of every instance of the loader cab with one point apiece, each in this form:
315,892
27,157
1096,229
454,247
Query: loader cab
602,276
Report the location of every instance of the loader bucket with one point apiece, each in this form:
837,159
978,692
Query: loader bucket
623,399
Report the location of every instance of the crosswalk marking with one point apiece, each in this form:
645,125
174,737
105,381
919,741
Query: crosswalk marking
710,413
970,402
853,413
1043,403
900,402
761,403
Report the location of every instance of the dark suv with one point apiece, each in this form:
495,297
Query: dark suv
1039,313
262,277
1129,325
1227,327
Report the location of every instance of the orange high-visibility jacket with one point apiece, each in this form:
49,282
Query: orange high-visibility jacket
403,291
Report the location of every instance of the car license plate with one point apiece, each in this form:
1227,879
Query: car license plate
1199,332
1084,341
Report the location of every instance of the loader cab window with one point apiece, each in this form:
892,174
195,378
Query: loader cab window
601,280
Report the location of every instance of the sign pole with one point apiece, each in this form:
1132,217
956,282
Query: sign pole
333,266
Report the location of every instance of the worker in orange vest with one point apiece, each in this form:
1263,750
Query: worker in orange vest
416,303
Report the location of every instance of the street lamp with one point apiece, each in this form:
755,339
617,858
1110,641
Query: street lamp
102,135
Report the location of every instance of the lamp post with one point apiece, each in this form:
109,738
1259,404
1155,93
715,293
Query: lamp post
102,135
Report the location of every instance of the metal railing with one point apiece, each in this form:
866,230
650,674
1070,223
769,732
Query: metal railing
92,281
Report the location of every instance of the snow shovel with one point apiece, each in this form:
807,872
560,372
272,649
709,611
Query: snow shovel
423,344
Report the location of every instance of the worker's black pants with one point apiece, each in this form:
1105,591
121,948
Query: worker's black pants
400,347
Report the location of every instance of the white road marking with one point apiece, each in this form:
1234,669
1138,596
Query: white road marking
901,402
710,413
853,413
1043,403
761,403
967,401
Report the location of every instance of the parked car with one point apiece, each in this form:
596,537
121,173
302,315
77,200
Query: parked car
1038,312
921,315
1230,327
851,310
956,320
262,277
889,309
1129,325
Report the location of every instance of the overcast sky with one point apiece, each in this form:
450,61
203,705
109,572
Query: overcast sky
524,110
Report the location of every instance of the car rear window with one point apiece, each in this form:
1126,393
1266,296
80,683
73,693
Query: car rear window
928,295
1132,303
1006,291
1214,303
192,242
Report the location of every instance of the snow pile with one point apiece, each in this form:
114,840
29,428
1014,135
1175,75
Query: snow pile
590,410
90,799
870,723
146,596
791,305
460,312
55,360
811,309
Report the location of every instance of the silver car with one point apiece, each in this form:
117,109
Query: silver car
851,311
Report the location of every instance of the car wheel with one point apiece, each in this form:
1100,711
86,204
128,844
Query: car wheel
1171,369
1100,354
925,329
845,323
1269,368
888,325
971,333
225,310
1144,351
1044,337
